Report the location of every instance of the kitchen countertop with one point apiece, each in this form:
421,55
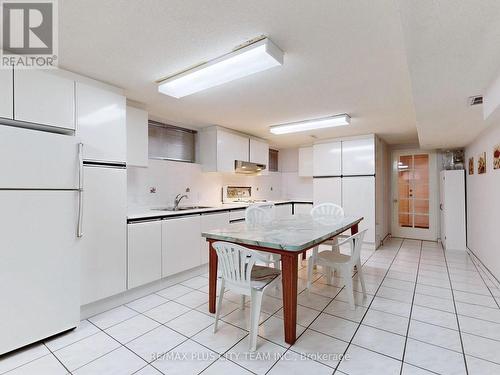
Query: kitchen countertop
149,213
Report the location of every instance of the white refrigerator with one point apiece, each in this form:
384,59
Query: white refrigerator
40,215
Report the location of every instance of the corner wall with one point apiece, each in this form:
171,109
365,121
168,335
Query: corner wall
292,185
483,202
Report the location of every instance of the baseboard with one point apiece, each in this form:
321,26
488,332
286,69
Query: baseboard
485,269
141,291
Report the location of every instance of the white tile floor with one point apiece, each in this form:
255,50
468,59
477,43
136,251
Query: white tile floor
426,312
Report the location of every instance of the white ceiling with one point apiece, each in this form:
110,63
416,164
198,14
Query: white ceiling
395,67
453,50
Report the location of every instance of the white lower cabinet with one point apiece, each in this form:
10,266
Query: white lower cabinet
302,208
180,244
144,253
283,210
211,222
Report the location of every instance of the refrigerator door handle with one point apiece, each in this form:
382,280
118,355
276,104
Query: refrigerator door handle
79,230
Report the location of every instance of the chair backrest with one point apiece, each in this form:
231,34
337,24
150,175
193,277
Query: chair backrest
235,262
329,211
356,242
259,213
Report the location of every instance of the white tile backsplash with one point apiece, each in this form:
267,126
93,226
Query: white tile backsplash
171,178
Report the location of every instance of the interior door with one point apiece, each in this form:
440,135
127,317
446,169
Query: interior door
415,195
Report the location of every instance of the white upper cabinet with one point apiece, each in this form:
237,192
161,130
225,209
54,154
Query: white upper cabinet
306,161
259,152
230,147
44,98
358,157
101,123
6,93
327,159
220,147
137,137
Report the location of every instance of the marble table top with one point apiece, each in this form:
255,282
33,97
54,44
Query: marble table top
293,233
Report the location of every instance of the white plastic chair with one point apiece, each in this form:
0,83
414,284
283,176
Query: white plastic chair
344,263
240,273
328,213
262,214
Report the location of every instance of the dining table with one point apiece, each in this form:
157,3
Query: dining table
289,237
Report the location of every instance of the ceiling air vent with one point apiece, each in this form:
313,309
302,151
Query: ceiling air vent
475,100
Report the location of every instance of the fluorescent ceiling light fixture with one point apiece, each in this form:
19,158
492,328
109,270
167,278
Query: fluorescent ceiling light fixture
319,123
251,58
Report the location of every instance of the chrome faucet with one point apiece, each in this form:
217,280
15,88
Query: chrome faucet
177,200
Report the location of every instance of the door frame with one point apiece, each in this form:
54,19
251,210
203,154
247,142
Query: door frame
430,234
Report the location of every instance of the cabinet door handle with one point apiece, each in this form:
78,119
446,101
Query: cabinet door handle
79,229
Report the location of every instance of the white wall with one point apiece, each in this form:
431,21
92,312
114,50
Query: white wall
171,178
483,202
292,185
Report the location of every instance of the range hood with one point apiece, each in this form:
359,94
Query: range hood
246,167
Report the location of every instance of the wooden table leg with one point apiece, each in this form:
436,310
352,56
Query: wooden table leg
212,278
289,278
354,229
